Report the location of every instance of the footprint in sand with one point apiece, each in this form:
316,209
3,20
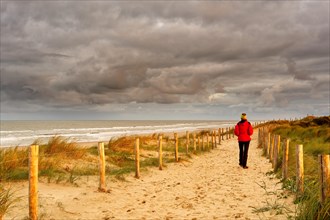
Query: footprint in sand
187,205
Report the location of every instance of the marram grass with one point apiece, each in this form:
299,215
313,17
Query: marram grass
61,158
13,164
7,200
314,134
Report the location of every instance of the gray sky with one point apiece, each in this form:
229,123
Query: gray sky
164,60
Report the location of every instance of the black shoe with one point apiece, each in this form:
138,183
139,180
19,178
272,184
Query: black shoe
246,167
241,165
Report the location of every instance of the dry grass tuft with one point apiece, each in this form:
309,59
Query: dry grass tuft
13,163
63,147
126,144
62,159
13,157
122,144
7,200
203,132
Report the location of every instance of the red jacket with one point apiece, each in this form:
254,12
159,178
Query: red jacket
243,130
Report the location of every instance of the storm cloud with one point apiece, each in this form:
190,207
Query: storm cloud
158,59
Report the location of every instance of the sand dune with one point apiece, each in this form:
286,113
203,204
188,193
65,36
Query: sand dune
210,186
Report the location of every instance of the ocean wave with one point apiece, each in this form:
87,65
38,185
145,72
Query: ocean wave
22,137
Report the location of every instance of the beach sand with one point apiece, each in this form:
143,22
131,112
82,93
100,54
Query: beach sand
209,186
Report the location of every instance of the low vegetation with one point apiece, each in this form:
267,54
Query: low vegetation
65,161
55,159
314,134
13,164
60,158
7,200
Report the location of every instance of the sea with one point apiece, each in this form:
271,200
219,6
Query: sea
25,133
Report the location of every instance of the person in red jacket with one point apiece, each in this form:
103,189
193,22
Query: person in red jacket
243,130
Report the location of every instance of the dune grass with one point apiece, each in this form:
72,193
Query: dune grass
7,200
314,134
53,159
63,148
120,153
61,157
64,161
13,164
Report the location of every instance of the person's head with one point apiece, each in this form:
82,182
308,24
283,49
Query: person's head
243,116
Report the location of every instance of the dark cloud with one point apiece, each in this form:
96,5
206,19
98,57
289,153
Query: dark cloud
260,55
299,75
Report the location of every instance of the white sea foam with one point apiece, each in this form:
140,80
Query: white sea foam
20,133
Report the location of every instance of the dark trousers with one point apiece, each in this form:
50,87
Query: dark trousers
243,152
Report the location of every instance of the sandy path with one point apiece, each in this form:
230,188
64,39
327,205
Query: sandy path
210,186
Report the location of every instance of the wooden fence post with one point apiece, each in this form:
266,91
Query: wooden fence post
194,137
279,144
300,168
222,134
264,138
203,142
271,150
285,160
278,148
215,138
176,147
233,133
207,141
275,155
259,139
137,158
219,135
268,145
102,186
33,181
277,151
160,147
187,141
324,161
212,139
199,142
261,130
